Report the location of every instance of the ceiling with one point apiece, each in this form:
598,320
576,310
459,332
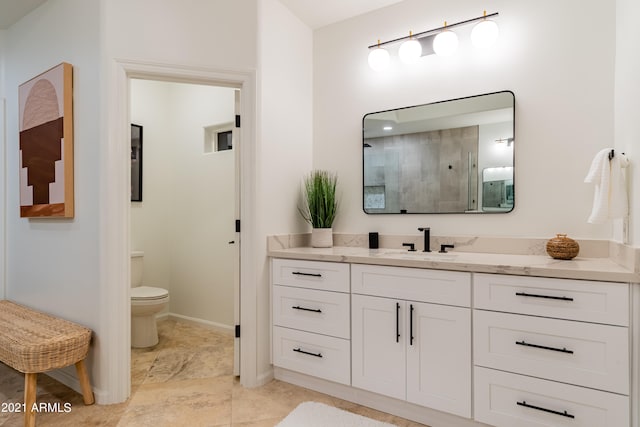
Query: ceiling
314,13
12,10
317,13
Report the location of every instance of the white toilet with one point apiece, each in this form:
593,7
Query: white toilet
146,302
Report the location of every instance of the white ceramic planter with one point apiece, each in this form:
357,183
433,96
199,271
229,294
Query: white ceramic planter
322,237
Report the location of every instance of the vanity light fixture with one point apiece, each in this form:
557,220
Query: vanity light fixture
485,33
387,128
378,58
410,51
509,141
444,41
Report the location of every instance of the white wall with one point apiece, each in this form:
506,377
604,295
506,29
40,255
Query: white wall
58,266
3,36
186,217
203,208
563,84
216,35
212,33
53,265
285,132
627,104
152,219
223,34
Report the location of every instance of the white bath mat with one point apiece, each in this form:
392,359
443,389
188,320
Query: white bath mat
314,414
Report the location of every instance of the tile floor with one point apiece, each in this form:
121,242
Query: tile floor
185,380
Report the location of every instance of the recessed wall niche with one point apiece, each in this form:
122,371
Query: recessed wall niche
218,138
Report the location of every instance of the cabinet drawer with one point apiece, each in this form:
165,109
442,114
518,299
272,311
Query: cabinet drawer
309,310
506,400
600,302
329,276
416,284
312,354
585,354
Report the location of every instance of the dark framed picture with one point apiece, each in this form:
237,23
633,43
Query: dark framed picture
136,163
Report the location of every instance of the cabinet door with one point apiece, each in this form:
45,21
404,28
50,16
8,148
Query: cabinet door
439,357
312,311
326,276
312,354
584,300
412,284
378,353
585,354
504,399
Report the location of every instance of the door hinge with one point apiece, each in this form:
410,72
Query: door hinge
237,225
237,120
237,331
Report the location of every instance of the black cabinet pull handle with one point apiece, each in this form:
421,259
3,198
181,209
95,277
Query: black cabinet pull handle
397,322
544,347
299,350
298,273
411,324
524,294
315,310
550,411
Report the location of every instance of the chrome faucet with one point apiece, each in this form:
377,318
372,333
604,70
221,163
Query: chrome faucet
427,238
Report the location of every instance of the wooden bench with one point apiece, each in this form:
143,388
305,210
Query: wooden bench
33,342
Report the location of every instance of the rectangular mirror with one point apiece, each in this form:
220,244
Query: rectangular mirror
444,157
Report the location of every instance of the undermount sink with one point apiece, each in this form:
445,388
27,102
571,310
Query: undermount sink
419,255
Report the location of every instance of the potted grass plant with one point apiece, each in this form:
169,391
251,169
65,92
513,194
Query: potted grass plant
320,206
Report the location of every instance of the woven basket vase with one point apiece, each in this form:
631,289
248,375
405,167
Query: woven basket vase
562,247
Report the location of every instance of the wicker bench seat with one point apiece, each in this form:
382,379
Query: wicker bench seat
33,342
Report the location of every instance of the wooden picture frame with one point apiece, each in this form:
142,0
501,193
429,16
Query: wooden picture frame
46,144
136,163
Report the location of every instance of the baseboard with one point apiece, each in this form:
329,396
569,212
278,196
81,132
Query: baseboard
265,378
389,405
218,327
67,377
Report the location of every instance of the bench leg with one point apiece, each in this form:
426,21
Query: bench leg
30,387
87,393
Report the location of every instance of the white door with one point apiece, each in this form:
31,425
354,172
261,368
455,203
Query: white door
439,357
236,254
378,345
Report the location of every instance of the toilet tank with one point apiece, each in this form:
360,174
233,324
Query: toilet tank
136,268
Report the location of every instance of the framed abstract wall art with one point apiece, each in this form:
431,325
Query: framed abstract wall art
46,144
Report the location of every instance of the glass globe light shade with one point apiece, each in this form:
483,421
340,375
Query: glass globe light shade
378,59
484,34
445,43
410,51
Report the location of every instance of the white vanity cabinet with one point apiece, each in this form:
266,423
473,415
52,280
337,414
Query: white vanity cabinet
311,318
411,335
459,349
551,352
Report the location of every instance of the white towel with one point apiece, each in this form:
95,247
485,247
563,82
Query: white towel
610,198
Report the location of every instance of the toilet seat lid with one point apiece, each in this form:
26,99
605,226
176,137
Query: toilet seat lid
148,292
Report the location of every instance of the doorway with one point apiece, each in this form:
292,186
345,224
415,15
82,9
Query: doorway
183,216
115,223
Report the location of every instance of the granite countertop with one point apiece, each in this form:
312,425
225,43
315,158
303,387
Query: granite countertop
603,269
